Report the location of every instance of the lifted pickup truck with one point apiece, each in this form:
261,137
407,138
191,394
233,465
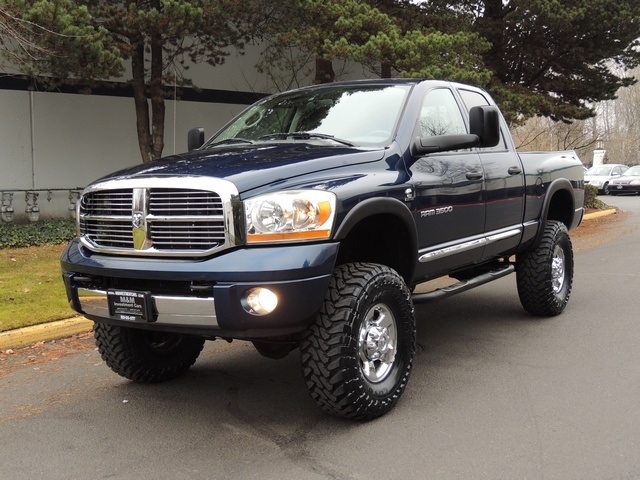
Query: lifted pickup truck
307,221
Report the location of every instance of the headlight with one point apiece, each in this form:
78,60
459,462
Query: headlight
634,182
293,215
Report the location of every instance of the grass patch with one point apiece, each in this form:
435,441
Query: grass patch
31,288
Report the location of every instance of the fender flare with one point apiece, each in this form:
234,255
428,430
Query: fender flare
555,186
378,206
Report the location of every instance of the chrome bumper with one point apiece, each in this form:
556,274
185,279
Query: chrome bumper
179,311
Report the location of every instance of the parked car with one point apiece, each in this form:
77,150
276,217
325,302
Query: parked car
601,175
627,183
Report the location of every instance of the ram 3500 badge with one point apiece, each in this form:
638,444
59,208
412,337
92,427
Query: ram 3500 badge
307,221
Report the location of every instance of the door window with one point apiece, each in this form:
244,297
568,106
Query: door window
440,115
474,99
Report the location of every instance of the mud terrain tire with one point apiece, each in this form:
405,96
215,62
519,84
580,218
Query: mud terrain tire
144,356
545,275
358,354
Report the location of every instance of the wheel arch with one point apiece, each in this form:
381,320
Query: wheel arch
372,227
559,204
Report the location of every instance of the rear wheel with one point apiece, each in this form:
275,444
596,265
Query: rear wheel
545,274
145,356
358,354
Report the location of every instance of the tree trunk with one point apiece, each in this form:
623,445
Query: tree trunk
140,99
157,95
324,71
492,28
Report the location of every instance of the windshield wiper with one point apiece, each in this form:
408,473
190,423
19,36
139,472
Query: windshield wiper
303,136
230,140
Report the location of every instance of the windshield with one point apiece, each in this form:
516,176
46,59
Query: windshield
601,170
633,171
355,114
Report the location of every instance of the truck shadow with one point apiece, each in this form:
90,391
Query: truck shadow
233,396
231,384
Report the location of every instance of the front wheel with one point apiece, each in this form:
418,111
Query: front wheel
146,356
545,274
358,354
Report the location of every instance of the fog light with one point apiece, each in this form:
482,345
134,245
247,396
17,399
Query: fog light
259,301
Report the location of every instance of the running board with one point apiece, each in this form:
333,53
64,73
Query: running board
463,285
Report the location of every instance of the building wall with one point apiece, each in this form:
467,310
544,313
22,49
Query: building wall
63,141
55,142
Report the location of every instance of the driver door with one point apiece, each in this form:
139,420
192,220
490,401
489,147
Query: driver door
449,207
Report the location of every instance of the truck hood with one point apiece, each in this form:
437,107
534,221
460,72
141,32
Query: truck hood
252,166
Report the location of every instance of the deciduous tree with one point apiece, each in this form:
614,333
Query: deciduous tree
156,37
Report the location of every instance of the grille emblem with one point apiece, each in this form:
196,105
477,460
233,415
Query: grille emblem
139,230
137,220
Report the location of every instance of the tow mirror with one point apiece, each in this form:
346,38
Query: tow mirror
443,143
195,138
484,121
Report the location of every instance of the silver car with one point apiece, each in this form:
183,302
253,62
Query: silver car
601,175
628,183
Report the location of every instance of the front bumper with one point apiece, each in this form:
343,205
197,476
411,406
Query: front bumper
204,297
624,188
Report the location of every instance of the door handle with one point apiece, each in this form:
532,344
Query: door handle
514,170
475,175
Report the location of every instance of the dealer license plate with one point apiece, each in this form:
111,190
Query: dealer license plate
130,305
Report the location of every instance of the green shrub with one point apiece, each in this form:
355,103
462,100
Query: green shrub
47,232
590,200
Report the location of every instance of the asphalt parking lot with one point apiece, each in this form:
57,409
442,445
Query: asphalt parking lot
495,394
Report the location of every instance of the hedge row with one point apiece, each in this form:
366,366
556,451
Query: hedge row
590,200
46,232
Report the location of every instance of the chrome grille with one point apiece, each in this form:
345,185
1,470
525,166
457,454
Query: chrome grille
184,202
156,220
108,233
114,202
180,235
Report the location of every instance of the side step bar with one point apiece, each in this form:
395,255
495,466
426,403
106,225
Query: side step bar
463,285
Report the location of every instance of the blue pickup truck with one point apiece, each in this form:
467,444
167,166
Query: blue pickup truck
308,221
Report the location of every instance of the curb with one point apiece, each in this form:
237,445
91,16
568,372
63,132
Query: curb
601,213
22,337
44,332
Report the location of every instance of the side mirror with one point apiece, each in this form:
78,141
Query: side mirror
195,138
443,143
484,121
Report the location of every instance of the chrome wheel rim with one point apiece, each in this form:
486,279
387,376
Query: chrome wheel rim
377,343
557,269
